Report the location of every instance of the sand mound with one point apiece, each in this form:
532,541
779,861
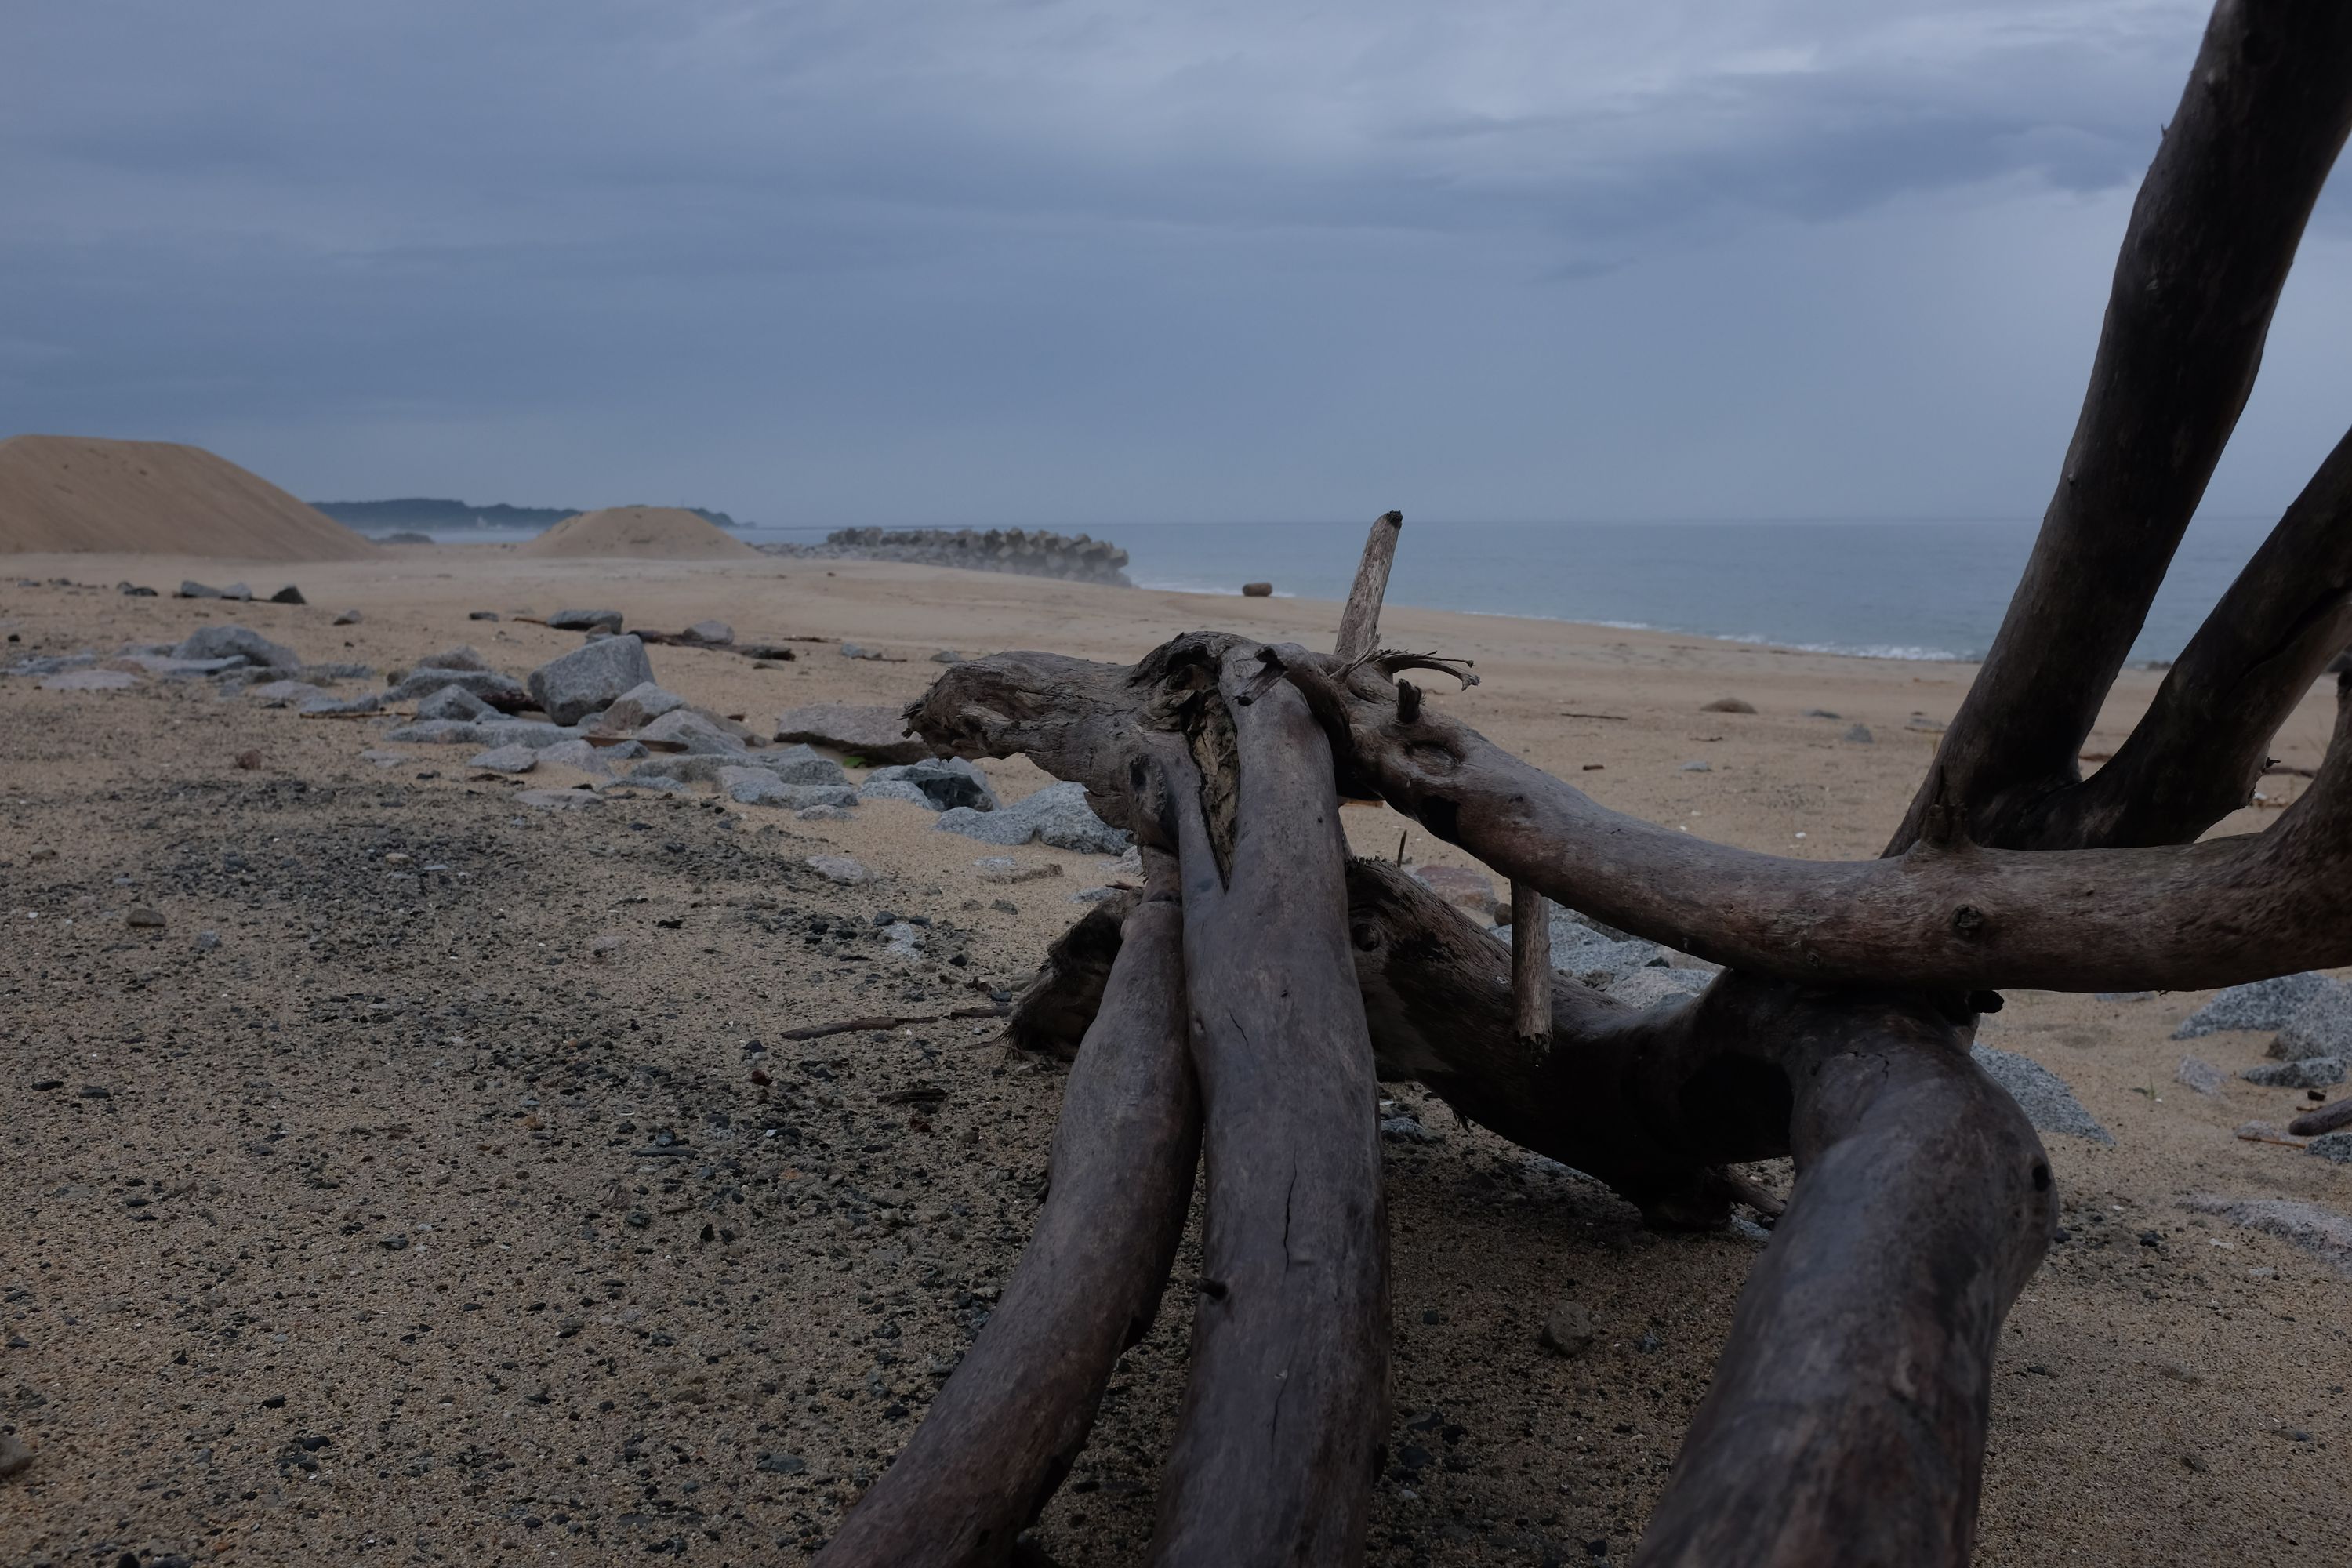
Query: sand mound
637,532
70,492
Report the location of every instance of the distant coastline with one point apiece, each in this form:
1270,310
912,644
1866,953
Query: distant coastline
426,513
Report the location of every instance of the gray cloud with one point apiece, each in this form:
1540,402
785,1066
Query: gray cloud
909,260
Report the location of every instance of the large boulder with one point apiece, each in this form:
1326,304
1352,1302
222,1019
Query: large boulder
877,734
937,784
2322,1026
590,678
238,642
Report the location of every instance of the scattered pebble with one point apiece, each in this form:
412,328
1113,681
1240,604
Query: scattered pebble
839,868
2201,1075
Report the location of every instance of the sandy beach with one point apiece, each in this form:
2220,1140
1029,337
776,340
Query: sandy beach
459,1200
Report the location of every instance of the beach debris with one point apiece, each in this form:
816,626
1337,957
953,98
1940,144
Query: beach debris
1005,870
2042,1094
586,621
935,783
873,1022
1057,815
876,733
839,868
2326,1118
590,678
481,615
1729,705
2261,1004
2201,1075
1258,590
2309,1072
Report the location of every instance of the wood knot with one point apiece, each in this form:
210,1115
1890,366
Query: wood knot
1967,920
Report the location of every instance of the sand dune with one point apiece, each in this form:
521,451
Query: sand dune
79,494
637,533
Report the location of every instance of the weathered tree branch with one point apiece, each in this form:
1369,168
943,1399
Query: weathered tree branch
1359,620
2200,748
2212,235
1949,916
1846,1422
1286,1405
1001,1434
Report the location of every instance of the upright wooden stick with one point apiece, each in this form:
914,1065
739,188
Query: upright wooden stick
1360,623
1530,965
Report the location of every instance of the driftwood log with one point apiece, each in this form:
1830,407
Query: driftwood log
1847,1418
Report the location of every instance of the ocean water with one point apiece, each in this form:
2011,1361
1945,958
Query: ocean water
1890,589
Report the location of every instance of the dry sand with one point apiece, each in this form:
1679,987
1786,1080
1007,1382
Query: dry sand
637,533
72,492
357,1257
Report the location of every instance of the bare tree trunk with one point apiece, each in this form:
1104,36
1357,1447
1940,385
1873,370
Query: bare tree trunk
1001,1434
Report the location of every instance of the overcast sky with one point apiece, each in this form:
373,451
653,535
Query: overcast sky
1078,262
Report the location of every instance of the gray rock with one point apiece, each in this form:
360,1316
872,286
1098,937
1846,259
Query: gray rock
586,621
1091,895
2322,1232
1057,815
694,732
141,917
1695,768
876,733
1729,705
238,642
947,656
453,701
710,634
855,650
192,590
1649,986
465,655
1822,713
1861,736
2264,1005
53,664
591,677
797,764
757,786
2201,1075
507,759
2312,1072
525,733
2320,1027
346,618
577,754
288,595
481,615
2042,1094
902,941
208,941
939,783
326,702
2334,1146
89,681
337,669
1405,1128
438,732
638,707
1569,1329
839,868
557,799
501,692
284,693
